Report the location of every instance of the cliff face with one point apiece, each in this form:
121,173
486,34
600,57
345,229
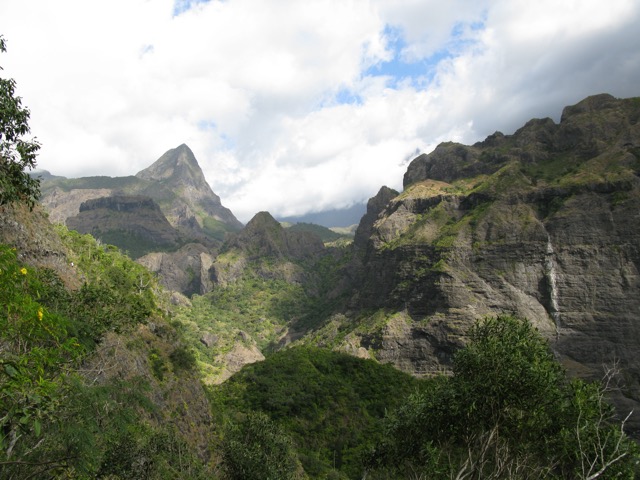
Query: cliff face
543,223
133,223
186,270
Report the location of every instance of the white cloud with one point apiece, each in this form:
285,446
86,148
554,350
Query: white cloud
251,85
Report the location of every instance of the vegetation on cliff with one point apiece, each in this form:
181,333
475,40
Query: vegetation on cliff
63,414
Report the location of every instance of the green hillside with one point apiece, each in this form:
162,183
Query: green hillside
330,404
82,366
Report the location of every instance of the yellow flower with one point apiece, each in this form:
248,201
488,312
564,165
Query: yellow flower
40,314
23,271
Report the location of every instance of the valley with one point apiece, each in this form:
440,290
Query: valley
179,331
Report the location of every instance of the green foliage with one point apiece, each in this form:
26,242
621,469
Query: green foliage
36,351
507,412
329,403
52,423
118,293
257,306
259,303
256,448
158,364
183,358
215,228
134,245
17,153
507,374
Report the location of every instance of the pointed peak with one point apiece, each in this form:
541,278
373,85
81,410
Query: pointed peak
175,162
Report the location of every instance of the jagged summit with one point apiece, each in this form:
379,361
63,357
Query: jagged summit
598,126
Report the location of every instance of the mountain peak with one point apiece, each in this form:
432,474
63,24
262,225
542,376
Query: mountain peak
264,236
178,170
177,165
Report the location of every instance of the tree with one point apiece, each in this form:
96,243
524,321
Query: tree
17,154
258,449
507,412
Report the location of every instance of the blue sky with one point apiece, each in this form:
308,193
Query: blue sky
295,107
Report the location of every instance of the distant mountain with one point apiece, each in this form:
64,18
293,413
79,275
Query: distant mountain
328,236
175,182
343,217
264,236
43,175
179,172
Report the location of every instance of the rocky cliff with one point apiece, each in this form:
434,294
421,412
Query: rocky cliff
186,270
133,223
543,223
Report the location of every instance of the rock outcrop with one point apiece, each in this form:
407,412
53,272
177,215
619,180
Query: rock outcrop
185,270
543,224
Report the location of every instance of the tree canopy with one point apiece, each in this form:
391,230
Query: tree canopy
17,152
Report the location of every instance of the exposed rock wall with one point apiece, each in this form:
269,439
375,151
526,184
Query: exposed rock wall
133,223
544,224
185,270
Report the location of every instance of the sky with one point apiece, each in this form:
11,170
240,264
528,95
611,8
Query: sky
302,106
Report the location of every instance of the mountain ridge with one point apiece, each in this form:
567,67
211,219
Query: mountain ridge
540,224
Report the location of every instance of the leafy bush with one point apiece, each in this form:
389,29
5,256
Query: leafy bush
51,422
36,350
183,358
507,412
